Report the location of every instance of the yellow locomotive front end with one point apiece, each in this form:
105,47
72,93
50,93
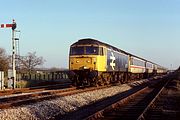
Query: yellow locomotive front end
86,60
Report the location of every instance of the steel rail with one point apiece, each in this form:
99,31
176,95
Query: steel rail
32,89
141,117
112,106
121,102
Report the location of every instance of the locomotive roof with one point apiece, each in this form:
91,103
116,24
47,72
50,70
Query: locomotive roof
97,42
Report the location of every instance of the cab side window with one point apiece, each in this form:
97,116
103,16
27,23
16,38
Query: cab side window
101,52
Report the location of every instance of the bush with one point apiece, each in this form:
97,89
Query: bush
22,84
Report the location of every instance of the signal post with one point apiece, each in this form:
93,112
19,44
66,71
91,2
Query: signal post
13,26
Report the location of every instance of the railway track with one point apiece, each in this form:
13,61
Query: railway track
129,104
85,112
132,107
166,106
32,97
34,89
67,103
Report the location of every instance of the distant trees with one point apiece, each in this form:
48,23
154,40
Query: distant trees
30,61
4,60
27,63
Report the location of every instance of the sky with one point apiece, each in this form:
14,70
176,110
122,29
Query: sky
147,28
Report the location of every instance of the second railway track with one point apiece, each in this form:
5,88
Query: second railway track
132,107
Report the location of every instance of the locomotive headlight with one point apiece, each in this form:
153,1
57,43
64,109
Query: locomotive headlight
77,61
85,67
88,61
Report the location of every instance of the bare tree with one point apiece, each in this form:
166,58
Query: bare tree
4,60
30,61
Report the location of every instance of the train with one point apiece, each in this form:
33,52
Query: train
95,63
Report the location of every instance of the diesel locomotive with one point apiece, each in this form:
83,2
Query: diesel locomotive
94,63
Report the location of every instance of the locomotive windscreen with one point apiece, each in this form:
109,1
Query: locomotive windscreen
84,50
77,51
92,50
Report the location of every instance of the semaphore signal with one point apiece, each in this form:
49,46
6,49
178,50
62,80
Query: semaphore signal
6,25
13,26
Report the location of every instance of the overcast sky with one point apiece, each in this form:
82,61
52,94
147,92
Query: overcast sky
146,28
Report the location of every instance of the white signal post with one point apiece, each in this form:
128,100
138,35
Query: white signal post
13,26
13,57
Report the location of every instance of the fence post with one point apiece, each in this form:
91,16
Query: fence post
1,80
